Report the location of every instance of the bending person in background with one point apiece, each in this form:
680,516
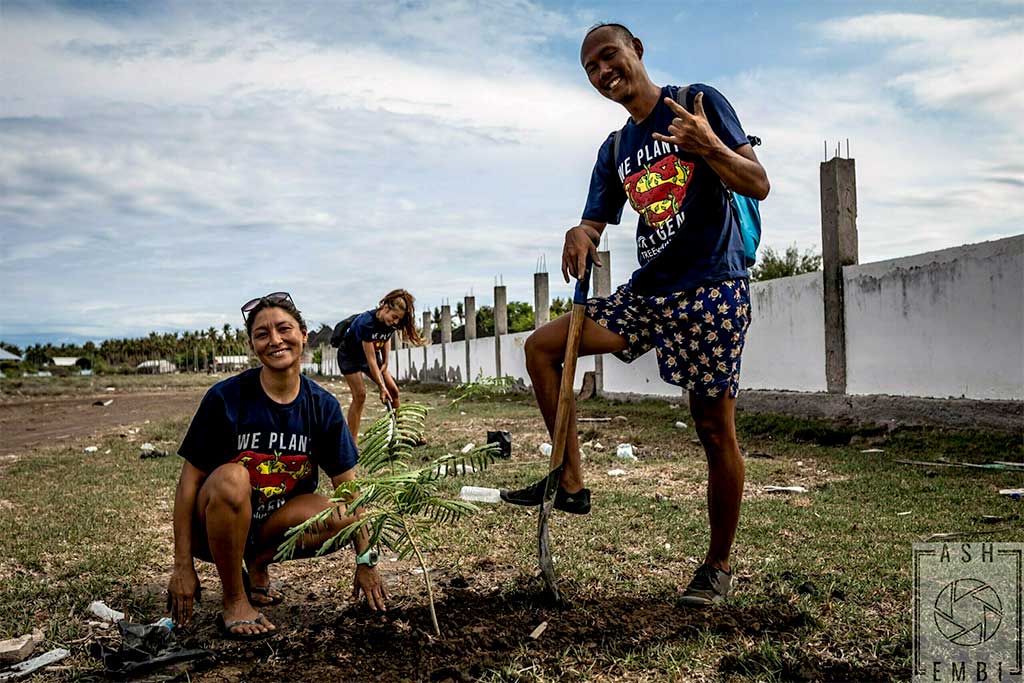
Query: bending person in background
366,347
252,458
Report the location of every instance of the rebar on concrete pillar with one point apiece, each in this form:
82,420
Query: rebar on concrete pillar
602,287
500,324
469,305
838,249
541,300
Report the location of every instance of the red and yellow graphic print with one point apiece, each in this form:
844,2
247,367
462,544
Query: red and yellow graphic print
656,192
274,475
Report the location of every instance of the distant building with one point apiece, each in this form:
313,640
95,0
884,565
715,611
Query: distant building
6,355
156,367
65,361
231,362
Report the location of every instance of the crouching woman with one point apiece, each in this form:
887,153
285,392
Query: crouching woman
252,458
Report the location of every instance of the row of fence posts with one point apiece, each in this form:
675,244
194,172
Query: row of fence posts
601,286
839,248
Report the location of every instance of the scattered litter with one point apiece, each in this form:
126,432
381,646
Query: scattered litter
784,489
545,449
995,519
680,425
625,452
799,463
462,412
668,546
104,625
593,419
144,648
872,450
17,649
444,470
103,403
903,514
29,665
150,451
106,452
1016,494
480,494
598,446
621,418
765,456
100,609
535,634
91,449
973,465
616,473
468,447
957,534
110,389
148,447
504,441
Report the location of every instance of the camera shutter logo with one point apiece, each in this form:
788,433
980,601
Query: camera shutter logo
968,612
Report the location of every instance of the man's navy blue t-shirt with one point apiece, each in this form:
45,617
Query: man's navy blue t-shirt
687,234
281,445
366,328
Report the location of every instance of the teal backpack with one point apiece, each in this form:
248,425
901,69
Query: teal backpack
746,208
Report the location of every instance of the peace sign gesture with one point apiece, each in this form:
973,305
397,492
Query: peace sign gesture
692,132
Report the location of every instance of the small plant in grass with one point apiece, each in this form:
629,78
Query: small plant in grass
403,508
482,388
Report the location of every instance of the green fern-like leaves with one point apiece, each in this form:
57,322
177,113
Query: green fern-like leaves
400,504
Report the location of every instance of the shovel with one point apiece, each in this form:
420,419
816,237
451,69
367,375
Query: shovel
560,437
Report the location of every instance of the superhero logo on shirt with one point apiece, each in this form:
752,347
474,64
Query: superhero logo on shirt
656,192
274,475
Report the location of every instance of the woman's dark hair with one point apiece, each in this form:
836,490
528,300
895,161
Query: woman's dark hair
287,304
401,300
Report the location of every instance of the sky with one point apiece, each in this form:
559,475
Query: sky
163,162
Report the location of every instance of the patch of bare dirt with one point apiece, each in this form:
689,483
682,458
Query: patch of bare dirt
34,423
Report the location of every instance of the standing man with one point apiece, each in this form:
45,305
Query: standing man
688,300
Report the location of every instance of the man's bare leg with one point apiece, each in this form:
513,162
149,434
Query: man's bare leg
714,420
545,353
224,510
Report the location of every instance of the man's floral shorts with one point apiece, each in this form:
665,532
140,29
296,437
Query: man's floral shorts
697,334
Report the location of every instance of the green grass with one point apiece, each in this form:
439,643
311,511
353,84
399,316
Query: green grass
822,579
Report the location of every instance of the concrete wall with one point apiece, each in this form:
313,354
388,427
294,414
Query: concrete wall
944,323
785,347
940,324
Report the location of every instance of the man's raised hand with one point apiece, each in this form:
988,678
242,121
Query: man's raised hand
692,132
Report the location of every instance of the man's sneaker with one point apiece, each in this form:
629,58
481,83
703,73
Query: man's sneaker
576,503
709,586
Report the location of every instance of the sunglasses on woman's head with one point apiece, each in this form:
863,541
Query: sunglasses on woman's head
274,296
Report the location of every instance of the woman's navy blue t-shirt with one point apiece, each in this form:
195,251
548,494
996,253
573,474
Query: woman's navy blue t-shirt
365,328
687,234
281,445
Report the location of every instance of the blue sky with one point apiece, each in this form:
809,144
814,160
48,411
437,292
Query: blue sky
161,163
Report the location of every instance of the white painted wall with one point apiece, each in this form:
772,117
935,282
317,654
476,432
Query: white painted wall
481,357
944,323
785,346
639,377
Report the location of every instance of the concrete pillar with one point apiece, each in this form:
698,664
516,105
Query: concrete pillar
469,305
500,324
446,338
838,249
427,335
541,300
602,284
446,324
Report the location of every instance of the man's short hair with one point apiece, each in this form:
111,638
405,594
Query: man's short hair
625,35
